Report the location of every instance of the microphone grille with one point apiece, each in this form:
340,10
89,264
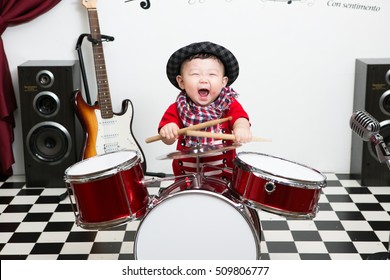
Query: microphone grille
364,124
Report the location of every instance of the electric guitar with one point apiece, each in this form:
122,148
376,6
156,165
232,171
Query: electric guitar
105,131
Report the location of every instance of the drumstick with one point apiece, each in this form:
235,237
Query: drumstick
221,136
193,127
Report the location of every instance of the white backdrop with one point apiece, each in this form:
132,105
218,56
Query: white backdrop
297,64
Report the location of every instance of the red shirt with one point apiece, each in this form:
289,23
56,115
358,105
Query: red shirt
218,160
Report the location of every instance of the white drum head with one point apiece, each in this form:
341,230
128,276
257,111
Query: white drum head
284,168
100,163
195,225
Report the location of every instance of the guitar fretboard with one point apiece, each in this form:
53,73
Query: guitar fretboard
103,88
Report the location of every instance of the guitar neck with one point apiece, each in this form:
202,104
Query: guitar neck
103,88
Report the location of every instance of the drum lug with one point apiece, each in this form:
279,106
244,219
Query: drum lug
239,206
269,187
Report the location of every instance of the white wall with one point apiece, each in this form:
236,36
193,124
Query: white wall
297,64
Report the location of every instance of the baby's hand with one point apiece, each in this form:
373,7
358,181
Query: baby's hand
169,133
242,131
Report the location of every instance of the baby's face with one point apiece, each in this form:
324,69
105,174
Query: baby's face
202,79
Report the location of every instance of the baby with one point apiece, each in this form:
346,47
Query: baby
203,72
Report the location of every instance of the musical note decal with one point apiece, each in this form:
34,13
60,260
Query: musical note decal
144,4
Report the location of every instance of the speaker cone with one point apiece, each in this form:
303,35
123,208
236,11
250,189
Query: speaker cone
46,104
49,142
45,78
384,103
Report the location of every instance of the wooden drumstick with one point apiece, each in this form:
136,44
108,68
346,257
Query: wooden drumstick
194,127
221,136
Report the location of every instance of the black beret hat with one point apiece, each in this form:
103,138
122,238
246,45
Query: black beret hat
228,59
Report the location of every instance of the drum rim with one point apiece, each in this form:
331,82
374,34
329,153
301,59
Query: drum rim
103,173
239,207
238,163
159,199
105,224
285,213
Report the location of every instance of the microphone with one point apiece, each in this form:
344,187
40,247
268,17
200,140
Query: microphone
367,127
364,125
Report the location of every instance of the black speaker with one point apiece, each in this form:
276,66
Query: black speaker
372,94
52,135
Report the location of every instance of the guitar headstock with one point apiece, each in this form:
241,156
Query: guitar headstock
89,4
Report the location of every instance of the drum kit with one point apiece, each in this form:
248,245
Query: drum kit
197,216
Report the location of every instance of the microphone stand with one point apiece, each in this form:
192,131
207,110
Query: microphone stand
381,149
368,128
383,155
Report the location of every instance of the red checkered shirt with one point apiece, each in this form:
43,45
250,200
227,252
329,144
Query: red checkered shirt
219,160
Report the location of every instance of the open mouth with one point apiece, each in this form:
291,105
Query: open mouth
203,92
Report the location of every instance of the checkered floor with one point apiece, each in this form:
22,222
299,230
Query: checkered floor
353,224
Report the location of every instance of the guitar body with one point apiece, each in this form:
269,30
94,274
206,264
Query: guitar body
106,135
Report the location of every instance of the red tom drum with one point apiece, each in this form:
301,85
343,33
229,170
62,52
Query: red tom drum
277,185
108,189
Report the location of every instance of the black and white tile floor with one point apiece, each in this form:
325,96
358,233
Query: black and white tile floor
353,223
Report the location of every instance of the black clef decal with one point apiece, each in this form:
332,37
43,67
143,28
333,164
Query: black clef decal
144,4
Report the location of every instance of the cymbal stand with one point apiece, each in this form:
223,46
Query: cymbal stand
197,165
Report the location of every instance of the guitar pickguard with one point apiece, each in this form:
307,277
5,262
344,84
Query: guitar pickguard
113,134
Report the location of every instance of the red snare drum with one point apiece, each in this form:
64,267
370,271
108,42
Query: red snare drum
277,185
191,220
108,189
